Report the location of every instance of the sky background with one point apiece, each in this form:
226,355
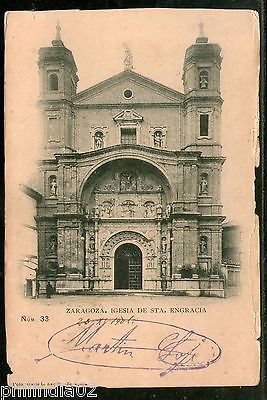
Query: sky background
158,39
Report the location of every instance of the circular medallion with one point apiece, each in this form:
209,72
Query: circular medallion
127,94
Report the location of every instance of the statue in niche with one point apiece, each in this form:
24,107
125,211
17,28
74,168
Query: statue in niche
98,140
164,244
92,243
128,181
91,271
128,208
203,245
163,268
158,140
150,262
159,210
53,244
96,212
96,188
53,186
149,209
203,185
128,60
168,210
86,210
107,207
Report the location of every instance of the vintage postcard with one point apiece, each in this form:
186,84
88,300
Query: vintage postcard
132,255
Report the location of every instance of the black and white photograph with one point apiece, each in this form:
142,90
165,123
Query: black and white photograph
131,142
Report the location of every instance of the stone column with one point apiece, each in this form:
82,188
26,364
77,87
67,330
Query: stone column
216,246
60,247
193,244
169,251
177,245
180,182
97,244
158,247
186,245
87,247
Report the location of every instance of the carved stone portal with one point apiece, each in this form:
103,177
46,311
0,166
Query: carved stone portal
124,236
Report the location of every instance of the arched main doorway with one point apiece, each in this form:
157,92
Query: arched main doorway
128,267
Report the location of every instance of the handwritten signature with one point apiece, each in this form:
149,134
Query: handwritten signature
131,343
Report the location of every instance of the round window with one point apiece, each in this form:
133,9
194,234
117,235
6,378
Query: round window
128,94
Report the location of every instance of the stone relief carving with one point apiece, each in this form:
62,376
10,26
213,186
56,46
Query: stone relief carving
105,262
149,233
68,207
90,251
128,208
128,181
107,208
164,244
104,235
127,235
149,209
128,116
146,186
159,210
96,212
92,243
150,261
111,186
168,210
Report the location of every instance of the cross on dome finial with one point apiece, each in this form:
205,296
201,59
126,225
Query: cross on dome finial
58,29
202,39
128,60
58,41
201,30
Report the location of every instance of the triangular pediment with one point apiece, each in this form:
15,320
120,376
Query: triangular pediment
128,116
111,91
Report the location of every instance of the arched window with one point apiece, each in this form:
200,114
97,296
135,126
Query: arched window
53,82
204,125
203,79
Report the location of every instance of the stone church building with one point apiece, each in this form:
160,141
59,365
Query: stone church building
131,178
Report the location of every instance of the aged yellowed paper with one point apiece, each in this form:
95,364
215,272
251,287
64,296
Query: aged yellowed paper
132,253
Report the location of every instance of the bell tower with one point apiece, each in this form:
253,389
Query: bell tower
201,79
58,84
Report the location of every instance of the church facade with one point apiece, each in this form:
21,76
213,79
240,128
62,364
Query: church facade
131,177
